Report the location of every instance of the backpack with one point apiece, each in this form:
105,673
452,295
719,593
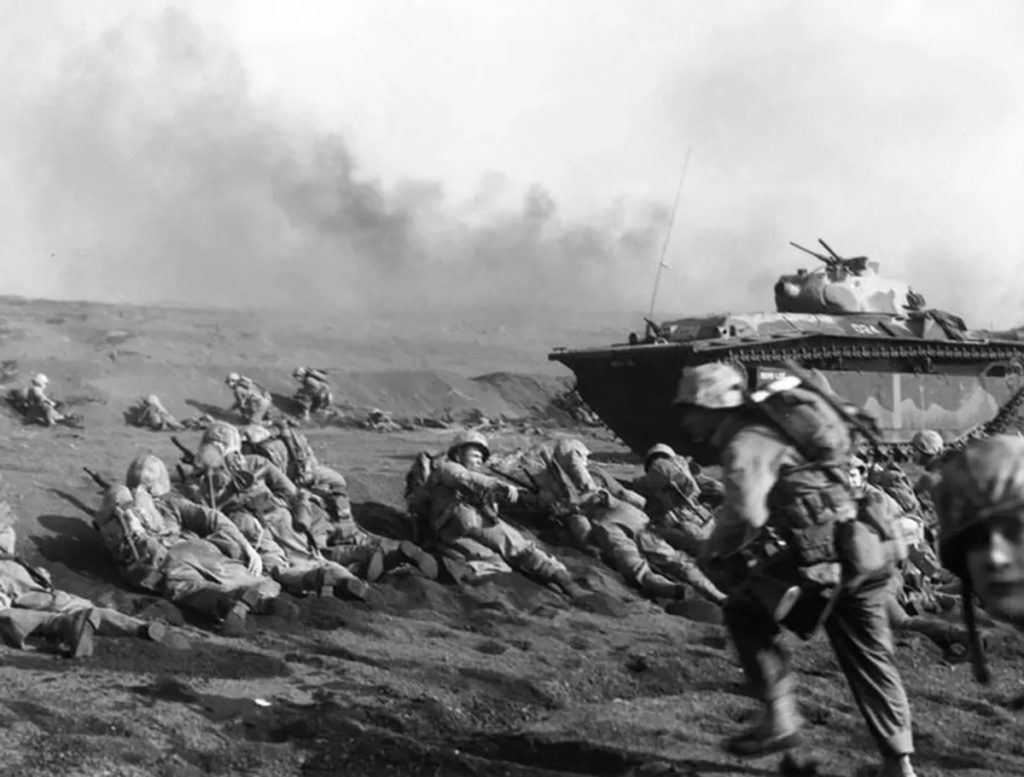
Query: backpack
812,424
302,459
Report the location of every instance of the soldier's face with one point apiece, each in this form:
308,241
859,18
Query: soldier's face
857,478
470,457
995,562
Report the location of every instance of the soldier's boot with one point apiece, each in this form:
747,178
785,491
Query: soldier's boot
896,767
777,730
660,586
423,561
77,631
569,587
339,582
234,623
157,632
374,566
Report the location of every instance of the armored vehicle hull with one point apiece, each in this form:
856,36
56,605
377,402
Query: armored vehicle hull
924,370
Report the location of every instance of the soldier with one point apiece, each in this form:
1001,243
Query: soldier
600,511
260,500
252,401
189,554
464,518
928,448
39,404
673,500
785,452
980,504
151,413
29,604
910,591
314,392
329,518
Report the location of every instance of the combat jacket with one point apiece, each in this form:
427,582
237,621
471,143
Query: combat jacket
668,485
767,481
450,483
36,397
247,484
248,394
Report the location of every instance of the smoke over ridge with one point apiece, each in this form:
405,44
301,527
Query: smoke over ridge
150,167
153,174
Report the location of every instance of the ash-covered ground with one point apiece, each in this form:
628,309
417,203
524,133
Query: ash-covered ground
425,678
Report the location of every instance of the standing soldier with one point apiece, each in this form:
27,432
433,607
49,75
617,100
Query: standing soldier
785,452
314,393
252,401
980,504
41,405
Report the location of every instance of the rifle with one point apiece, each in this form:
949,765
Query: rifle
99,480
187,455
530,486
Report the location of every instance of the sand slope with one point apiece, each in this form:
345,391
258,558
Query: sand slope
426,679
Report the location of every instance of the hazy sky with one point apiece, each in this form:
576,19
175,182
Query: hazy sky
508,151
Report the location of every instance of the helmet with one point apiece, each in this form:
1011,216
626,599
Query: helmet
153,400
568,447
40,380
714,385
224,435
232,378
928,442
659,451
858,463
462,439
149,472
300,373
209,457
984,479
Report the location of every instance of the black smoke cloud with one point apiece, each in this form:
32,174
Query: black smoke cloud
149,172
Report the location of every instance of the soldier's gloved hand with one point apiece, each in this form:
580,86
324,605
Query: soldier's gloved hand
253,562
511,494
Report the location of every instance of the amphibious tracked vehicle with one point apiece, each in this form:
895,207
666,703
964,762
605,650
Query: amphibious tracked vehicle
871,338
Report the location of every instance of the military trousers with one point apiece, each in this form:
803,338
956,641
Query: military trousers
464,521
43,612
859,631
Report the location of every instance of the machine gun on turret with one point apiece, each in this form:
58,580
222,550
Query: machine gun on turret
834,262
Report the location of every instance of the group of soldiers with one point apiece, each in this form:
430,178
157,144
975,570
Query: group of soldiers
801,533
253,402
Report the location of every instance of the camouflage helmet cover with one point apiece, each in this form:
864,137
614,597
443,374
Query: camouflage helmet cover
224,435
568,447
149,472
715,385
209,457
983,480
232,378
471,437
39,379
153,400
928,442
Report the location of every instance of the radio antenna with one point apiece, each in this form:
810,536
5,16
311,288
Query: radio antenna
668,232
